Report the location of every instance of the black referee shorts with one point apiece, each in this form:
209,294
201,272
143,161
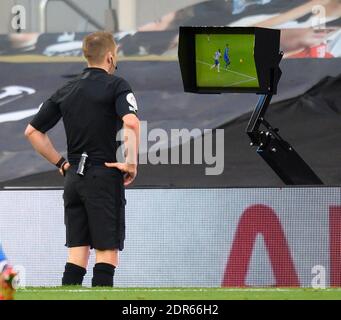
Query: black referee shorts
94,208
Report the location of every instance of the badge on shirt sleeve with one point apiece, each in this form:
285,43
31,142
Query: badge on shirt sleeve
132,102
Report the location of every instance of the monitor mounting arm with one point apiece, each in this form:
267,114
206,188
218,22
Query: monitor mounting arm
278,153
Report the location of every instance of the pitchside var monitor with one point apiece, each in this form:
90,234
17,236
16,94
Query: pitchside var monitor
227,59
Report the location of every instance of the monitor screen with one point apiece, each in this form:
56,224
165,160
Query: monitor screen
225,60
229,59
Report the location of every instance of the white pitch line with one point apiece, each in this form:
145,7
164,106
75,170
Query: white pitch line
178,290
239,82
241,74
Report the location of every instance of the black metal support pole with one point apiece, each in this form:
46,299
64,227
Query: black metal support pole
275,151
257,117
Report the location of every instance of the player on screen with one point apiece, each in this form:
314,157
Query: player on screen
7,276
227,56
217,57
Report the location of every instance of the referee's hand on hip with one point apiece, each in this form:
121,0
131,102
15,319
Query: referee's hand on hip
66,166
129,170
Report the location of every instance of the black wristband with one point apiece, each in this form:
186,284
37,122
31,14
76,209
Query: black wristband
61,161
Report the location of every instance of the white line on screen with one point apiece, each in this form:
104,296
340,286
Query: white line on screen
240,74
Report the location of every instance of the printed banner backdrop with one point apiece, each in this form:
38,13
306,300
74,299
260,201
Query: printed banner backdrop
192,237
310,122
34,65
309,30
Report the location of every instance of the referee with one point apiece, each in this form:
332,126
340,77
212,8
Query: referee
94,107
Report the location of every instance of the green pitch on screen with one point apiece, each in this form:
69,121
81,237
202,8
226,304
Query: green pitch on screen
240,73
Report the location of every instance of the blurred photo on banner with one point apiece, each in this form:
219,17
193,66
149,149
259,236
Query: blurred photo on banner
310,29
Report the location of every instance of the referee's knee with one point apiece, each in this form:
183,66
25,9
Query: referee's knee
79,256
107,256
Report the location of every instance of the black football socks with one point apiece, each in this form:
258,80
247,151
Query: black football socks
73,275
103,275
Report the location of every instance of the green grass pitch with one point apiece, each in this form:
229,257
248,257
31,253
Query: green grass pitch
81,293
242,69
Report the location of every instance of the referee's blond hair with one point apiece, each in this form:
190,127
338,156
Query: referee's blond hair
97,44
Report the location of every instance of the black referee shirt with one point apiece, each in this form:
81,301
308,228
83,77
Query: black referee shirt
92,106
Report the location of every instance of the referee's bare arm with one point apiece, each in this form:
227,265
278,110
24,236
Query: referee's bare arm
131,127
43,145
